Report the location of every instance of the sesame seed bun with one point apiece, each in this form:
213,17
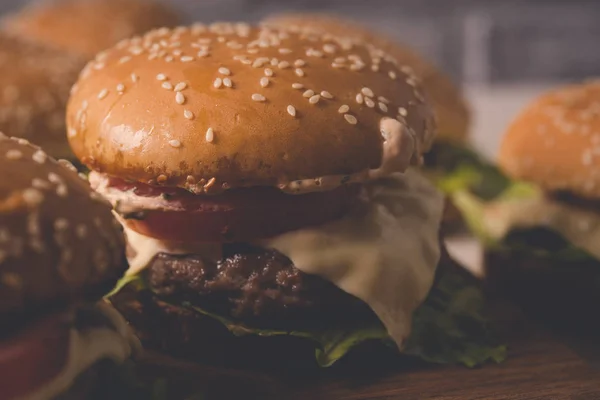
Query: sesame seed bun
34,89
58,240
88,26
555,141
449,104
240,106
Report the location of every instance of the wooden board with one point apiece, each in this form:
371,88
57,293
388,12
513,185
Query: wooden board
540,366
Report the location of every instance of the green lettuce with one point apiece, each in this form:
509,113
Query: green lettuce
450,327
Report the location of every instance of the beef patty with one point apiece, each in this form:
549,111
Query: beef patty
250,284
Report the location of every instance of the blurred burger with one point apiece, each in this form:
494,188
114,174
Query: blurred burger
544,231
450,163
59,252
86,27
261,177
35,84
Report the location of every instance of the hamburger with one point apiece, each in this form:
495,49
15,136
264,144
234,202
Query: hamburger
451,163
86,27
60,251
262,178
543,230
35,85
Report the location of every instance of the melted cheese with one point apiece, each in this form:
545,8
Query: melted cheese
386,255
579,226
88,346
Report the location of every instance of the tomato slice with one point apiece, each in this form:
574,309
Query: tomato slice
237,214
33,356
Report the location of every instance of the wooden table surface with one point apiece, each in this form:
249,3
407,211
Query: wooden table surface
541,365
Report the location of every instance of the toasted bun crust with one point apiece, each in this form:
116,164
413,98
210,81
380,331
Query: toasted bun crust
35,84
57,238
88,26
450,107
159,109
555,141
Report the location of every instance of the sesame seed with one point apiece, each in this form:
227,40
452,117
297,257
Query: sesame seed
326,94
103,93
210,135
299,72
169,58
291,110
217,83
188,114
299,63
351,119
202,53
175,143
383,100
187,59
40,183
61,191
337,65
283,65
264,81
81,231
23,142
367,92
14,154
179,98
268,72
308,94
224,71
343,109
227,82
120,88
359,98
375,67
274,62
402,111
329,48
258,97
285,51
180,86
297,86
383,107
54,178
392,75
123,60
134,78
314,99
167,85
369,102
39,157
161,77
32,196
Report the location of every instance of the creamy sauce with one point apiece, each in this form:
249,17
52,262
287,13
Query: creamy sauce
579,226
86,347
400,150
386,257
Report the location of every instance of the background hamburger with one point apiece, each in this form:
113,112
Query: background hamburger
35,85
543,231
451,163
60,250
261,176
86,27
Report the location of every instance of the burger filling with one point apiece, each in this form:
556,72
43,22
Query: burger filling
44,359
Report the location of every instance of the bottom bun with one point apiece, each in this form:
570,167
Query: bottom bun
565,296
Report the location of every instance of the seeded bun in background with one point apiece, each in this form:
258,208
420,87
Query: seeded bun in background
178,107
449,104
34,89
555,142
58,240
88,26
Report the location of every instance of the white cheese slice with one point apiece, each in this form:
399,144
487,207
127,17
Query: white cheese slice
579,226
385,255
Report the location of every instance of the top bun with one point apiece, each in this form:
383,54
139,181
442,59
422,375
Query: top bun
555,142
245,106
58,240
88,26
450,107
35,84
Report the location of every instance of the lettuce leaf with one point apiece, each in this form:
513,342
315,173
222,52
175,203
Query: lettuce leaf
450,327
